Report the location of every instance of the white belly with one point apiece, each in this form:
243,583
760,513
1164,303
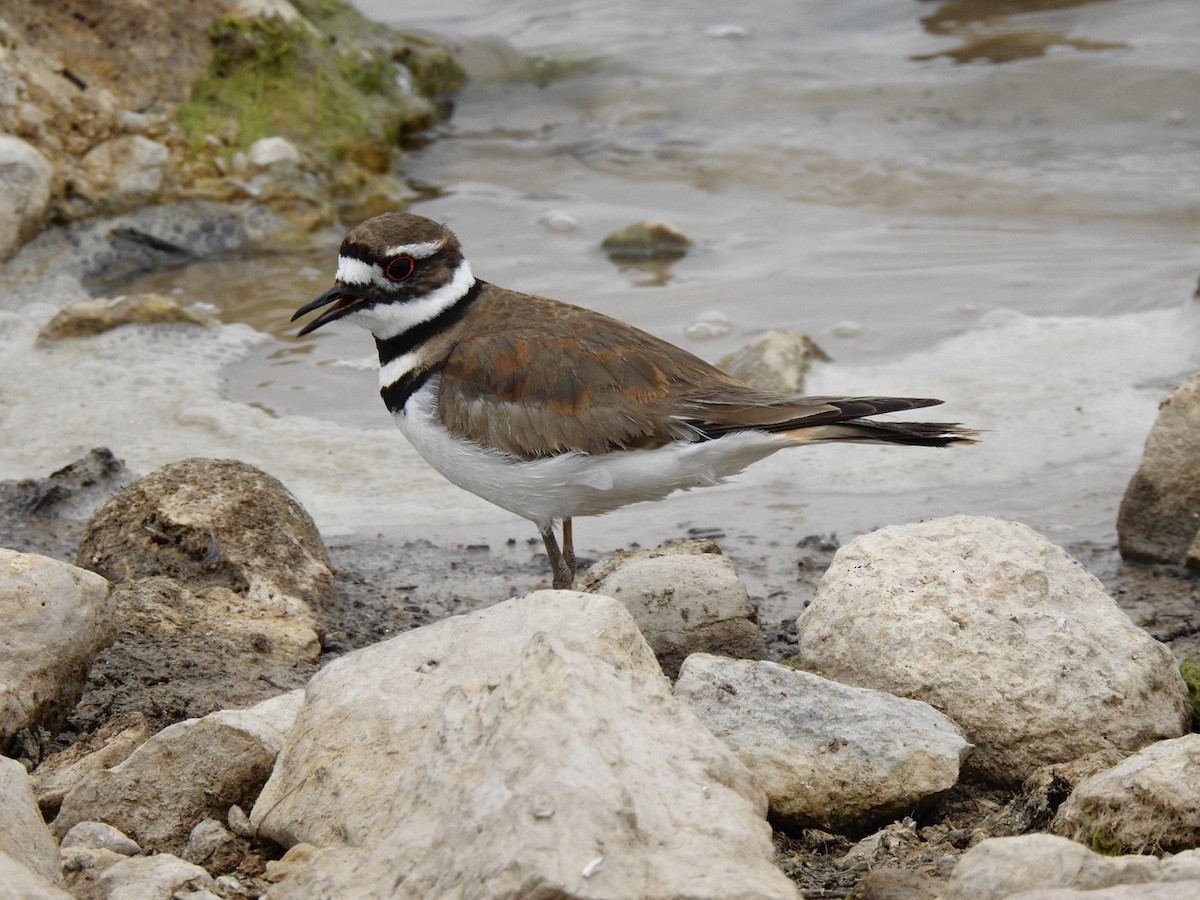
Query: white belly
577,484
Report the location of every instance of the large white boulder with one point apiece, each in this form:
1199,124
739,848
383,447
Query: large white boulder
1000,630
532,748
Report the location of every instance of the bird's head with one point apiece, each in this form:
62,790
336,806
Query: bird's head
394,271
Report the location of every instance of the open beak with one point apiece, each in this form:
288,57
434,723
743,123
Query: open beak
343,303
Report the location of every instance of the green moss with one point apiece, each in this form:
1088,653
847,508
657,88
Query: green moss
1190,670
434,72
327,91
1105,843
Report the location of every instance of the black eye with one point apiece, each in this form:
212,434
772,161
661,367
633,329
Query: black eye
399,268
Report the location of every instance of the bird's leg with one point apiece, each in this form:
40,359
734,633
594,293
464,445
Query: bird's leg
568,547
563,577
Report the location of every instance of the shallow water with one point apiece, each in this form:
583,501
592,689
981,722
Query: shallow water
994,203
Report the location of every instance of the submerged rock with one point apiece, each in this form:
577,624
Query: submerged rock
646,240
90,317
1000,630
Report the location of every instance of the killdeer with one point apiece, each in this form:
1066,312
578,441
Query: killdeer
552,411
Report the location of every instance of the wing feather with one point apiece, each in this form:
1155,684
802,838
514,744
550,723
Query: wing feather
535,377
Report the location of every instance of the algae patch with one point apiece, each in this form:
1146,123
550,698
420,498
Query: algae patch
332,82
1190,670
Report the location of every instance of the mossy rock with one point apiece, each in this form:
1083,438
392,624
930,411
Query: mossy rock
1190,670
646,240
334,83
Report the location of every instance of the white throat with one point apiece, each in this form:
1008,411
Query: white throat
387,320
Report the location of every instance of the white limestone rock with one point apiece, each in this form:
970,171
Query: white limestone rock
1037,865
379,701
249,562
828,755
102,749
568,778
775,361
213,846
686,597
24,837
56,619
1163,890
1149,803
158,877
189,771
532,748
273,152
25,177
1000,630
100,836
18,882
122,172
1159,519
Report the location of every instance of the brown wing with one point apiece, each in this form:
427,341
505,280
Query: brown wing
537,377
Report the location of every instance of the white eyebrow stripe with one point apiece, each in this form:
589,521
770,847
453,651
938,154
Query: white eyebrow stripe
355,271
416,251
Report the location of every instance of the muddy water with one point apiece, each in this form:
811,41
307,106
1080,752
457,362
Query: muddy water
992,202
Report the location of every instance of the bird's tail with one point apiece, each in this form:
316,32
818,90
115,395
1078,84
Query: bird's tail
917,434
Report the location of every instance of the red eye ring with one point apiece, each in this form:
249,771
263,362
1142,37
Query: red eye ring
399,268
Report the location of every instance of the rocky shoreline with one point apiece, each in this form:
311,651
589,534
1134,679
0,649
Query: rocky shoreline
210,603
289,116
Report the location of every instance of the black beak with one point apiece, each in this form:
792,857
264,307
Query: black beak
342,303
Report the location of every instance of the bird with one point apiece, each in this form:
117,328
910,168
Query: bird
554,411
